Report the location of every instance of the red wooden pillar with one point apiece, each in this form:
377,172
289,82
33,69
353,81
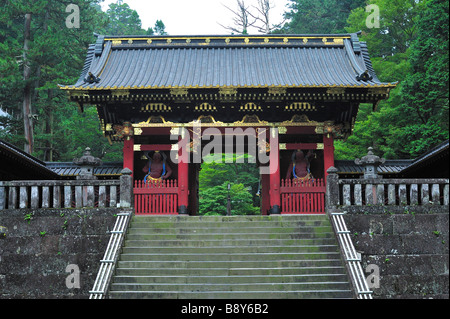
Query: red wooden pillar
128,153
328,153
183,175
265,197
274,177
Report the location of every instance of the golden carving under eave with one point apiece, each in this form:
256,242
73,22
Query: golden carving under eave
123,131
378,91
250,107
205,107
78,94
336,90
154,120
334,129
277,90
179,91
156,107
299,120
227,91
117,93
282,130
251,120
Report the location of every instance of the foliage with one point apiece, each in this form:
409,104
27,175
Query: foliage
318,16
243,178
411,48
55,56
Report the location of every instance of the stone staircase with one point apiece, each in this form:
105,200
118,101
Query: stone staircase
186,257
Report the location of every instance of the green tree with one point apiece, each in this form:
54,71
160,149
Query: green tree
318,16
35,58
240,174
213,200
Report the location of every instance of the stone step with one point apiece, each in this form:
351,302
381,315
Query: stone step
231,287
228,257
228,224
241,242
230,279
229,236
128,249
283,294
268,271
230,230
230,264
234,218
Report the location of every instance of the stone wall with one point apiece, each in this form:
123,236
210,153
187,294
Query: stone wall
410,249
36,246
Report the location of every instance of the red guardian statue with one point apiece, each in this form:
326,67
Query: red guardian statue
299,169
156,168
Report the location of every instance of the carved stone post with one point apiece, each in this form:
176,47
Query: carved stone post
332,188
126,188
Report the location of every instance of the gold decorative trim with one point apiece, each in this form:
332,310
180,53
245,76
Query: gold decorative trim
227,91
300,106
282,146
81,93
120,92
250,107
156,107
277,90
154,120
178,91
320,146
336,90
299,120
136,147
251,120
359,86
282,130
116,42
138,131
205,107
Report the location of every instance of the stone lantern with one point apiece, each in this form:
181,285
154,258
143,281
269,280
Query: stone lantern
370,162
87,163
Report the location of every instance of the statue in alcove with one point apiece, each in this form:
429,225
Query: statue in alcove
299,169
157,168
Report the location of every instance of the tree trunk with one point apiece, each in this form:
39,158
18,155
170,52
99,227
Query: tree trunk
27,115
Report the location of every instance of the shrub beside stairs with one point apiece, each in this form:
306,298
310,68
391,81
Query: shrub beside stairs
230,257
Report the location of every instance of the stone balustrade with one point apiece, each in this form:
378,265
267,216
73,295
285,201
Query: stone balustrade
386,192
67,193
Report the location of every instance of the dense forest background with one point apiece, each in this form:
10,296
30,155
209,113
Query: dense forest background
38,52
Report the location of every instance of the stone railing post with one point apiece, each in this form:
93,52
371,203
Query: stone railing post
332,189
126,188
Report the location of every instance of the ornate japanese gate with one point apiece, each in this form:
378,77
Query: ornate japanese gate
290,92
